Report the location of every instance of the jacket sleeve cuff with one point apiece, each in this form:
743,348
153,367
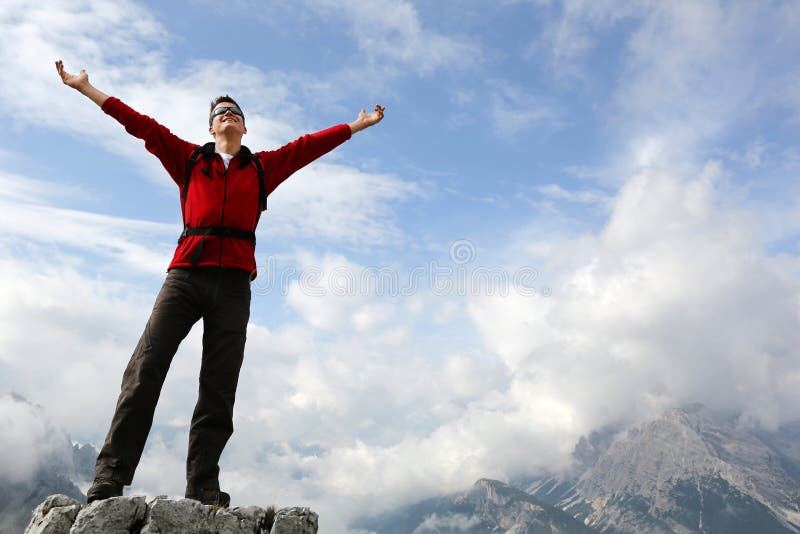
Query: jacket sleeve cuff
110,105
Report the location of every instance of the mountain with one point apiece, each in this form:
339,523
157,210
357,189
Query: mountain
685,472
489,506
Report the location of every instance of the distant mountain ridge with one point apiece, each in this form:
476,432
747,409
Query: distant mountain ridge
685,471
489,506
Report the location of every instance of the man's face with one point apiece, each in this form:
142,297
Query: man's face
227,122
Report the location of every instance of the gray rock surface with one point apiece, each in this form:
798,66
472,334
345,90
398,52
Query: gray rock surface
183,515
60,514
235,520
295,520
56,514
117,515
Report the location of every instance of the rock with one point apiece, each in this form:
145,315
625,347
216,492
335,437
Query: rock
60,514
295,520
55,515
183,515
248,519
117,515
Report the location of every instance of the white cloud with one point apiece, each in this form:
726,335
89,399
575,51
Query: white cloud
659,313
26,218
447,523
64,335
333,201
392,31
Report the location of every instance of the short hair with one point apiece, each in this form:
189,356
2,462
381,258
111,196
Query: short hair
219,100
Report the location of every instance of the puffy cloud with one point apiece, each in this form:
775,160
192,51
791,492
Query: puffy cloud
660,313
344,204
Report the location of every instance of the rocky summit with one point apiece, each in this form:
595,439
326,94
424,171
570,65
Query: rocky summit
60,514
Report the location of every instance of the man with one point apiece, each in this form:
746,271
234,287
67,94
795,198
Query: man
223,190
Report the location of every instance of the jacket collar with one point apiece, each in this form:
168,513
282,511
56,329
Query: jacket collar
210,149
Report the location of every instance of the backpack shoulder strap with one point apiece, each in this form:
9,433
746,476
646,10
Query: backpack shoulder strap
262,188
205,150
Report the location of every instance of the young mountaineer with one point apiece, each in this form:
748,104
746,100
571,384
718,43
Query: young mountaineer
223,190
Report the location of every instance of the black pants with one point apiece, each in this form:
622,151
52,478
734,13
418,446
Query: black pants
221,297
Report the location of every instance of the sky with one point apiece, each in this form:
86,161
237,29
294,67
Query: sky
574,215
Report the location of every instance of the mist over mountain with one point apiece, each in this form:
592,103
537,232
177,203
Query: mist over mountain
489,506
38,460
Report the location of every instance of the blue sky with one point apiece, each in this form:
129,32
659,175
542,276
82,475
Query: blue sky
639,157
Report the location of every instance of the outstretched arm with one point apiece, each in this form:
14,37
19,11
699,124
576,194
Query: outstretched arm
80,82
173,151
365,120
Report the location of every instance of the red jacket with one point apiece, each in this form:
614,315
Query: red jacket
220,198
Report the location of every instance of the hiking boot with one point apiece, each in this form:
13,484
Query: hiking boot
103,488
213,497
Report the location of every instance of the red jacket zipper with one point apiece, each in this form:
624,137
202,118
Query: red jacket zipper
224,200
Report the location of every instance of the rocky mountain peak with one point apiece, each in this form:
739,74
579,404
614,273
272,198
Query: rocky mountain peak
684,469
493,492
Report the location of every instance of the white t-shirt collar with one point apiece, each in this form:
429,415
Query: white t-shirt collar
226,158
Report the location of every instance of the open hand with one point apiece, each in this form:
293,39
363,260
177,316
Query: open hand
73,80
371,118
365,120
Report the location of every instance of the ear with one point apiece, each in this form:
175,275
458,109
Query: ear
244,131
211,131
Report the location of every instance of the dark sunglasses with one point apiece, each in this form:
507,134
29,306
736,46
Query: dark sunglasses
223,110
